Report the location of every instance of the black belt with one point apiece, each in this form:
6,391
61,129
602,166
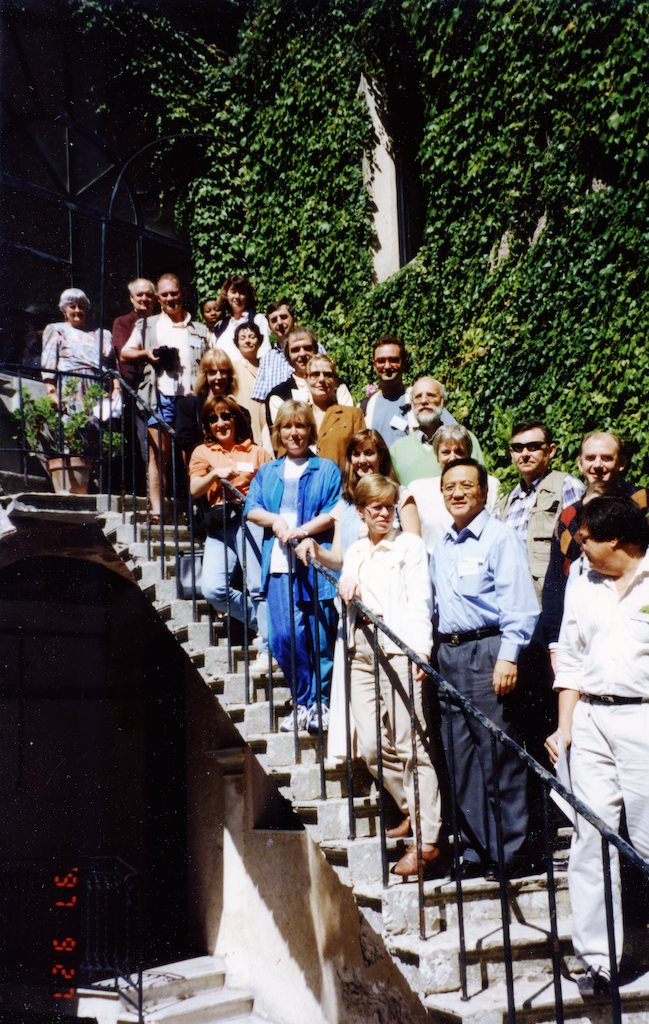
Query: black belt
591,698
455,639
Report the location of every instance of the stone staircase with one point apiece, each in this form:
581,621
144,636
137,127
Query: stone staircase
431,965
191,992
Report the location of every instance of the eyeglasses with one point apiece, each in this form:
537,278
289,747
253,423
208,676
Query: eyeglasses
466,486
224,417
375,510
321,373
532,446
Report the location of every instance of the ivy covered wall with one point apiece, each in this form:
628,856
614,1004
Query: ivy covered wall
527,296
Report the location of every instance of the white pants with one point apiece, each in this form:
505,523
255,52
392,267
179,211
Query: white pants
609,764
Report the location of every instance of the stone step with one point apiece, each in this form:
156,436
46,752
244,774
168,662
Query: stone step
305,782
535,1004
276,750
329,819
197,634
141,550
223,1004
528,897
183,979
433,965
125,504
147,572
123,533
231,690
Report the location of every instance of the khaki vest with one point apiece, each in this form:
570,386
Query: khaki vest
543,519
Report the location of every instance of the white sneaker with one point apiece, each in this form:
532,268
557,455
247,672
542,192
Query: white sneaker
259,666
302,718
312,723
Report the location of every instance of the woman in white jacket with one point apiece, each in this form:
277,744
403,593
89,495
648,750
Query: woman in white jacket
388,571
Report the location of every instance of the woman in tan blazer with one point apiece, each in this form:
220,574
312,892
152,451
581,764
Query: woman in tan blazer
335,423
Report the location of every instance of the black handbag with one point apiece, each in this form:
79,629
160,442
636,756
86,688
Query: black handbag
184,577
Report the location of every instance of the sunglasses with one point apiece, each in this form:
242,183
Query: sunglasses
532,446
224,417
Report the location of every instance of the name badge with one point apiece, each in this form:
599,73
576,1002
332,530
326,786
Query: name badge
244,467
468,567
399,423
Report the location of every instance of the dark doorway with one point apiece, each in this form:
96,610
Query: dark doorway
92,746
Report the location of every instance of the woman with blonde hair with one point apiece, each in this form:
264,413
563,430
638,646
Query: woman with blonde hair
335,423
293,498
366,453
215,377
388,571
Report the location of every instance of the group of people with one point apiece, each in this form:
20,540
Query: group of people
394,496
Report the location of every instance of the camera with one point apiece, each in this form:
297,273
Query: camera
169,358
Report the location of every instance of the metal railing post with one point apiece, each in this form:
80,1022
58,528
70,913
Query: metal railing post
502,881
552,907
291,590
161,494
318,685
459,896
228,620
616,1008
414,726
379,758
348,729
245,600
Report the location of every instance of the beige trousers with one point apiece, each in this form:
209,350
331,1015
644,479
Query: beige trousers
396,740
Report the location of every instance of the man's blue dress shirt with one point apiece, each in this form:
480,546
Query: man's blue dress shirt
481,579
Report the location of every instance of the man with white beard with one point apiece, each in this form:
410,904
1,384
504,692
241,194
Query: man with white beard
413,456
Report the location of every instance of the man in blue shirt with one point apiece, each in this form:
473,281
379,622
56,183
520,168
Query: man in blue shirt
486,613
387,409
274,367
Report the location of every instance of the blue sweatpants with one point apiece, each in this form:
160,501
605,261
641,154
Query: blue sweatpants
279,629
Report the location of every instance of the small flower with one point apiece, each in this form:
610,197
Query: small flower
371,389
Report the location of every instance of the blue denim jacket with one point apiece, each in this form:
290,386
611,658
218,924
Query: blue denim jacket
319,490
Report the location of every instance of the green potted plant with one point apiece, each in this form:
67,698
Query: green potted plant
38,423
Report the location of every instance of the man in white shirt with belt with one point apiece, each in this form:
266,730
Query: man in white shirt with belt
603,684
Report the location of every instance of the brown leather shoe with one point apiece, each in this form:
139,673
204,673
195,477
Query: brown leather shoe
409,865
401,830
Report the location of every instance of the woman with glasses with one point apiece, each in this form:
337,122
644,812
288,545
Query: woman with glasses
449,443
228,454
366,453
335,423
388,571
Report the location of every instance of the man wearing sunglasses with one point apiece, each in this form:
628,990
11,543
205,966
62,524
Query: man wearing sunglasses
535,504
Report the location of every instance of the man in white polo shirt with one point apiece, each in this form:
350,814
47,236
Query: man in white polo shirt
603,684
